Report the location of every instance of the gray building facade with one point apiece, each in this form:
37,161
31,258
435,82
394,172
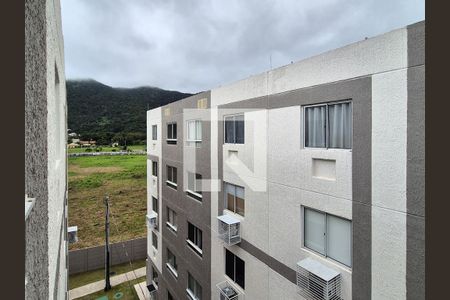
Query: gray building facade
45,152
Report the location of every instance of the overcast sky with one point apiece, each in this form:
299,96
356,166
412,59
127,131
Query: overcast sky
196,45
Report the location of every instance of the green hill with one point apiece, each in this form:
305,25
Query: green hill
103,113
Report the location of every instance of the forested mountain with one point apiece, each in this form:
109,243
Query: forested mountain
103,113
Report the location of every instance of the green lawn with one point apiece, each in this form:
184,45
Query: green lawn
108,149
81,279
127,288
123,178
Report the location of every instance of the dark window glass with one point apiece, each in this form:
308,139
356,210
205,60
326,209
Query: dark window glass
229,264
169,296
229,130
235,268
240,272
155,205
172,133
154,240
154,168
239,129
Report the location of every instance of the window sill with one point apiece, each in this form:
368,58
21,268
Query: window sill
326,258
171,184
191,295
234,284
194,195
234,214
172,270
171,227
195,248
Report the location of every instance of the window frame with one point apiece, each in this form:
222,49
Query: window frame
197,195
171,140
193,244
173,269
172,227
327,126
155,283
326,236
171,183
193,294
225,199
235,257
154,241
154,168
197,141
154,132
234,128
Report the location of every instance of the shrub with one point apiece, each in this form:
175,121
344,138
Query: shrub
88,150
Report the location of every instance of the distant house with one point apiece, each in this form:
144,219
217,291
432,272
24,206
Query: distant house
76,141
73,134
87,143
73,145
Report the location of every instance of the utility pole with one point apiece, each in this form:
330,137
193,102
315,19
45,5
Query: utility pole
107,283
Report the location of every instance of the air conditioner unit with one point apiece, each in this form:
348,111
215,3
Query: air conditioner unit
229,229
228,292
72,234
152,220
317,282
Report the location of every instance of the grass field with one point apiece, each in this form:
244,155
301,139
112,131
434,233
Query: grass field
81,279
126,288
107,149
123,178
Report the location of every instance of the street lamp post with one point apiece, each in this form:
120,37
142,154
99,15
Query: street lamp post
107,258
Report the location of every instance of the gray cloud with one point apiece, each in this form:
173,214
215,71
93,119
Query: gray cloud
192,46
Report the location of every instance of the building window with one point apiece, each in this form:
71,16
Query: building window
194,187
194,132
234,198
194,289
154,276
172,133
235,268
155,204
154,132
172,263
195,238
171,220
154,241
328,125
328,235
171,177
234,129
154,168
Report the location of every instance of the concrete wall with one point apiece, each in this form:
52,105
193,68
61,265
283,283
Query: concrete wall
45,158
93,258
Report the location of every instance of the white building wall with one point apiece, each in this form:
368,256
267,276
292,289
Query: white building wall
56,150
389,131
154,148
276,220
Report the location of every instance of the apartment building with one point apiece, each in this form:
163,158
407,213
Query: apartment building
45,153
303,182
